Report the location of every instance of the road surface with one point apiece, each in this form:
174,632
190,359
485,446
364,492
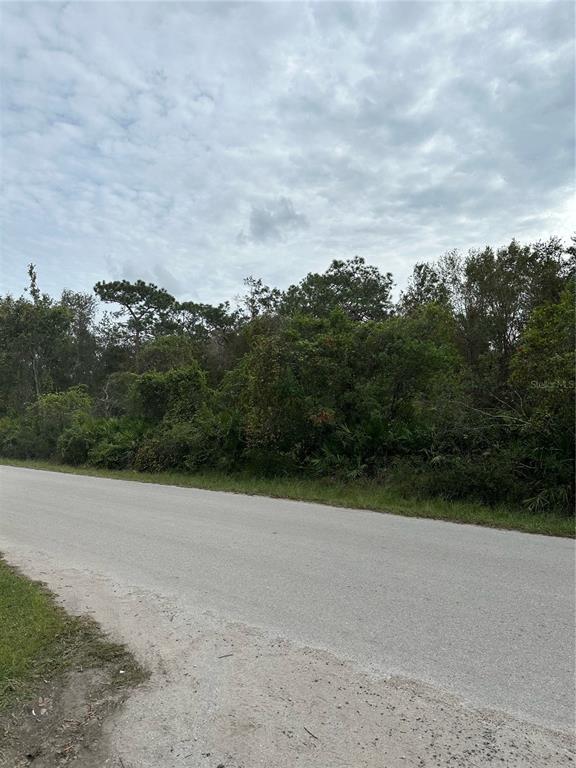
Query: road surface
485,615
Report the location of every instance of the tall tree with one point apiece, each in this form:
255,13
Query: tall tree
148,309
83,352
360,290
33,346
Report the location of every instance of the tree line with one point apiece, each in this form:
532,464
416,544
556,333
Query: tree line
462,388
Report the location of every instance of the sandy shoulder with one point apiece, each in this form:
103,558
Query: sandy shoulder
226,695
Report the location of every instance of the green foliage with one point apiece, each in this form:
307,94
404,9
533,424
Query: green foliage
491,295
42,423
544,360
167,353
171,447
462,390
9,436
147,308
118,394
117,446
77,441
337,395
357,289
45,345
485,478
174,395
543,373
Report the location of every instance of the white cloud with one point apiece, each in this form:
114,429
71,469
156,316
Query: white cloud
139,139
273,220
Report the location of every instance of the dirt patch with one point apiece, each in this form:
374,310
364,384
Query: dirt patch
63,722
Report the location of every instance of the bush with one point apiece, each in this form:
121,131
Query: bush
76,442
489,478
118,445
36,433
113,452
118,396
10,437
218,440
169,448
175,395
167,353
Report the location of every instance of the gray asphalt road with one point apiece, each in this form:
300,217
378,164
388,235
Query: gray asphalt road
487,615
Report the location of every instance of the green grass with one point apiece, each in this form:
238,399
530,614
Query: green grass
358,495
39,640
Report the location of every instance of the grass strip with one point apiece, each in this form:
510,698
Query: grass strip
39,640
356,495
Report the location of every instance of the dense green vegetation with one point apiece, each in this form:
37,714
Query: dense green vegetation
460,390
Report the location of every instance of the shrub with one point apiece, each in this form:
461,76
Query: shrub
489,478
36,433
218,440
118,396
167,353
168,448
76,442
176,394
114,452
118,445
10,437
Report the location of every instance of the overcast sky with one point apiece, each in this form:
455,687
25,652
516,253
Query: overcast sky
194,144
